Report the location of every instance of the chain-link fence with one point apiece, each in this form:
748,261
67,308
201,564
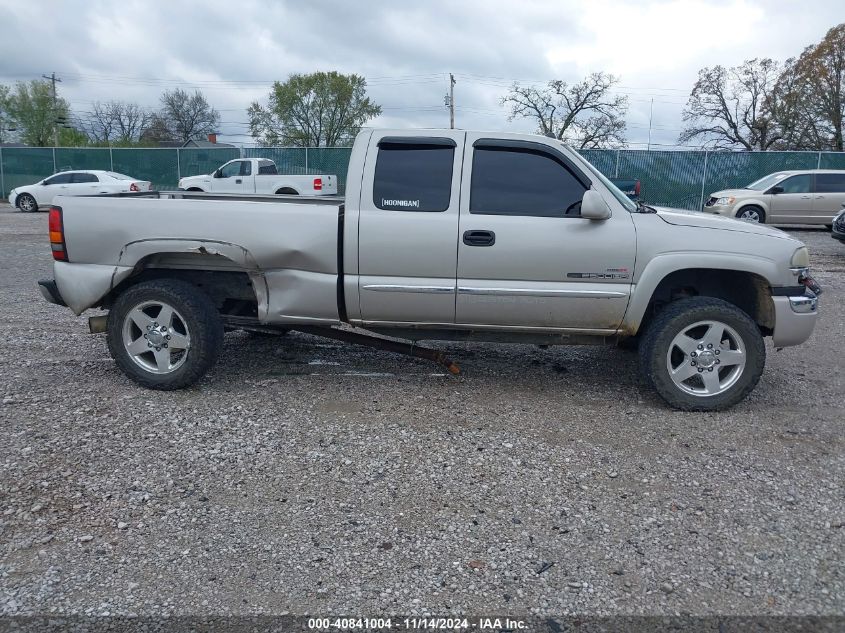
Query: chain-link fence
678,179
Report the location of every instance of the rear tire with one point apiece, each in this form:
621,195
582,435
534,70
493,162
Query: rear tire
752,213
702,354
164,334
26,203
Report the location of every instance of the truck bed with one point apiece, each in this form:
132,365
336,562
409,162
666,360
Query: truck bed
288,245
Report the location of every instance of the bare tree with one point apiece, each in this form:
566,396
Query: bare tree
732,107
585,114
116,122
188,116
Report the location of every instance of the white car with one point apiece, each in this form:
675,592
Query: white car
89,182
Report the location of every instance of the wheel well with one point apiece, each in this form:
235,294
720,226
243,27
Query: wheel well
290,191
747,291
231,290
193,189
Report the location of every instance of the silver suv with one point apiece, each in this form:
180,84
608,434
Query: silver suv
784,197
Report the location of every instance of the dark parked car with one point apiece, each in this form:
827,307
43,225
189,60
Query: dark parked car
838,228
630,187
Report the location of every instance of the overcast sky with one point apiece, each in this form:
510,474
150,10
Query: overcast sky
132,50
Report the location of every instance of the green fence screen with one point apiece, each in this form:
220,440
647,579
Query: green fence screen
678,179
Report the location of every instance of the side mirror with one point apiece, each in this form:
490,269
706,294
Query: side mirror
593,206
776,189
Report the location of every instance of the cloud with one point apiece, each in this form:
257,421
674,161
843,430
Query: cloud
135,49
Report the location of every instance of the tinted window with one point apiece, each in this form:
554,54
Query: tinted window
797,184
830,183
246,168
522,182
58,179
413,177
231,169
82,177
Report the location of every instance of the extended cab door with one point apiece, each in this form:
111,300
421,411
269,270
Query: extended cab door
408,226
525,256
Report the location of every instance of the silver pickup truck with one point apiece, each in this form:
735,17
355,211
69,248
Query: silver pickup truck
443,235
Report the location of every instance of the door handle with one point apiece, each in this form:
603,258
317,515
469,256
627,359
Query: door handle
819,197
237,181
479,238
806,197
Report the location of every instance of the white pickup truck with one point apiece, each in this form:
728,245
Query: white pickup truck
259,175
448,235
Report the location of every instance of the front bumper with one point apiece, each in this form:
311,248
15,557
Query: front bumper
13,198
795,318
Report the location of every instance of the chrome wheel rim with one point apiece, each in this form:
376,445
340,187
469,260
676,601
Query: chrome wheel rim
751,215
156,337
706,358
27,203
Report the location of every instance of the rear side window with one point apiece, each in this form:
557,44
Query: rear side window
81,177
266,168
516,181
413,177
58,179
830,183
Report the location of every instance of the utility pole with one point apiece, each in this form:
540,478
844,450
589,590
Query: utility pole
451,101
650,115
54,79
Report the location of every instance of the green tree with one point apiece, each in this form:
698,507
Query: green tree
73,137
6,121
31,106
314,110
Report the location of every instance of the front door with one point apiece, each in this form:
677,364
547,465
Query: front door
794,203
408,226
58,185
235,177
525,256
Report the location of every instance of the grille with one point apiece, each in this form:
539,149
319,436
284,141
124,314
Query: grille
710,202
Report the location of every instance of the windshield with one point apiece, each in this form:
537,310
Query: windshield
624,200
766,181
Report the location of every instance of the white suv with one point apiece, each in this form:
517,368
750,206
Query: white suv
784,197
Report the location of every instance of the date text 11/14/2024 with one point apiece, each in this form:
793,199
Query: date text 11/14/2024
415,624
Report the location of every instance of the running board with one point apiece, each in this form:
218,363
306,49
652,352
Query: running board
347,336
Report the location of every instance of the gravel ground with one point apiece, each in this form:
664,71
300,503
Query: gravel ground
306,476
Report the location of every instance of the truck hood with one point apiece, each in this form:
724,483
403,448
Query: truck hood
682,217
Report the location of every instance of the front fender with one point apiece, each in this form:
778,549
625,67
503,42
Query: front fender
664,264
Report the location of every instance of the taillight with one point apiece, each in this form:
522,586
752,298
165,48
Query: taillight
318,184
637,188
134,187
57,234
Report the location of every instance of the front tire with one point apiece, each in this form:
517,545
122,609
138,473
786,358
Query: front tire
164,334
752,213
26,203
702,354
